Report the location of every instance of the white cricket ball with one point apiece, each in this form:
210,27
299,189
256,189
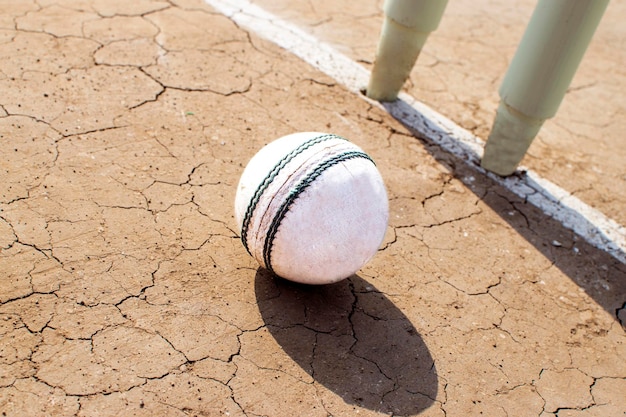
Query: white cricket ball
312,208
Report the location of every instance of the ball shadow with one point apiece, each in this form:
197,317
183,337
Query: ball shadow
362,347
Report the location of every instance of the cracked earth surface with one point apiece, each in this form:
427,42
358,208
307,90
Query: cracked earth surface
124,288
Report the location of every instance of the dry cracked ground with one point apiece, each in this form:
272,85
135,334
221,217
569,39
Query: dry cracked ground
124,288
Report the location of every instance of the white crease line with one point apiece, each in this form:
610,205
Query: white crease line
589,223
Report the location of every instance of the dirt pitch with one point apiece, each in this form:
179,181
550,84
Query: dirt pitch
124,287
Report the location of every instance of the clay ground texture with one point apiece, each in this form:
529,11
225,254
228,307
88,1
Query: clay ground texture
125,289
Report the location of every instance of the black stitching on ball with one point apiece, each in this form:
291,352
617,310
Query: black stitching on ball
295,193
270,177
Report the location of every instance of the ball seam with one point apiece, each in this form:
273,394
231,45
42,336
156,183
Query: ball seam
295,193
271,176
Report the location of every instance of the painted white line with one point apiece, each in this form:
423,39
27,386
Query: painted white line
589,223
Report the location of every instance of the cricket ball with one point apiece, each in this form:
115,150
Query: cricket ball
312,208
